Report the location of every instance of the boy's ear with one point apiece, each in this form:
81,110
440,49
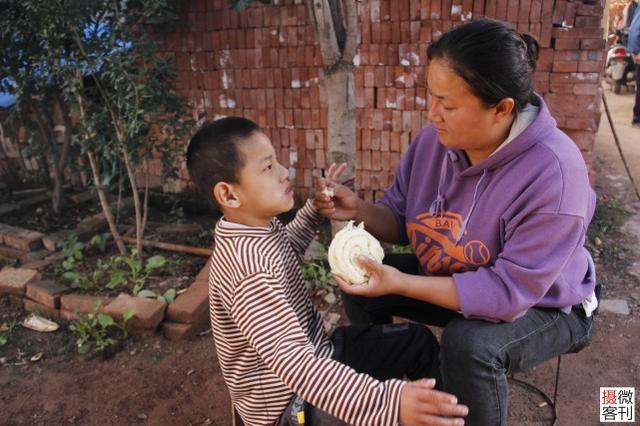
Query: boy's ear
225,195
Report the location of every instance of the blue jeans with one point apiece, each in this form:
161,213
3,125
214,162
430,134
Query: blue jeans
476,355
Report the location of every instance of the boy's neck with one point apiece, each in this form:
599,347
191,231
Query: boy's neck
241,218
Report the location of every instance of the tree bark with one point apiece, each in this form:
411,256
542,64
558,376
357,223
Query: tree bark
338,36
106,209
136,198
49,143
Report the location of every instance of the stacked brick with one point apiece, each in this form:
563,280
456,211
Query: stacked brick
184,318
263,63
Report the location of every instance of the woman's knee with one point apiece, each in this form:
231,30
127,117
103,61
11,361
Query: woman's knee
466,342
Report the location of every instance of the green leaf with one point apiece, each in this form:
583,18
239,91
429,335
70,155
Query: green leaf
155,262
83,347
128,314
147,293
170,295
70,275
117,279
105,320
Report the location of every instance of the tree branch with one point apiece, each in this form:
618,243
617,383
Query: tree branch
351,42
320,14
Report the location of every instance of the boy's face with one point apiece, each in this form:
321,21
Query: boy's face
263,187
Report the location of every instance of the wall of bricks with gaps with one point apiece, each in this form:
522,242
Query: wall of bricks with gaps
263,63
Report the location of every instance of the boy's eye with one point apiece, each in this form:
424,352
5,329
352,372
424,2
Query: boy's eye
269,167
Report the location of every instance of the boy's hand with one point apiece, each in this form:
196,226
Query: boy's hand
344,202
383,279
421,405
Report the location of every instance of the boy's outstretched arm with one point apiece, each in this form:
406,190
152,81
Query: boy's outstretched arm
302,229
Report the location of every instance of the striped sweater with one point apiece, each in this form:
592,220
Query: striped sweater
269,336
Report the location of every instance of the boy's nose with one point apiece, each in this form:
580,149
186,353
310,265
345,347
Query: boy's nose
283,171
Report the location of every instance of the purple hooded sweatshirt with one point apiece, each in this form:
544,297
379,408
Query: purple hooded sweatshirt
510,229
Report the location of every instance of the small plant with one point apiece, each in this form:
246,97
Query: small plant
99,241
176,214
99,332
167,297
317,274
72,249
90,281
6,330
7,262
138,270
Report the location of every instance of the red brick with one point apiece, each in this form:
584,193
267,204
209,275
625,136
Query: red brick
536,10
15,280
570,14
545,59
581,123
23,239
567,44
589,10
583,139
564,88
574,77
46,311
588,21
12,253
182,331
558,12
46,292
524,11
577,105
586,89
592,43
148,313
83,303
565,66
590,66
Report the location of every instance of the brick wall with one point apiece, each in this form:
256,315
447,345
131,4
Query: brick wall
263,63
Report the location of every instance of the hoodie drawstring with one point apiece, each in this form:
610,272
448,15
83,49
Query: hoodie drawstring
437,207
473,206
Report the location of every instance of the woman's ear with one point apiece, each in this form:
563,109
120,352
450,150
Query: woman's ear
225,195
505,108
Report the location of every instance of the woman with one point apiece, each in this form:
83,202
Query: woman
495,201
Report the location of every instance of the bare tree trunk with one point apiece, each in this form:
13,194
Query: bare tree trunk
106,209
336,27
136,199
145,209
57,178
104,203
341,133
335,24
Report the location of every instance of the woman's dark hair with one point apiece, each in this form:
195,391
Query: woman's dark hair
492,58
213,155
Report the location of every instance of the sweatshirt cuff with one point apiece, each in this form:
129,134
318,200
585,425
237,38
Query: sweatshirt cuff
473,297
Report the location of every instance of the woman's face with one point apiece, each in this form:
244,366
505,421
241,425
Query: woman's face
462,120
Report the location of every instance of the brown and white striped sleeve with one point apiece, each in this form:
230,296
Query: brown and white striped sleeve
301,230
270,324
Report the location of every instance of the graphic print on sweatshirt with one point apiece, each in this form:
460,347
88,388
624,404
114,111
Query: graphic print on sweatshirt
433,238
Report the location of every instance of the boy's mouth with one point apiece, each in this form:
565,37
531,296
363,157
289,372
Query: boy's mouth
289,190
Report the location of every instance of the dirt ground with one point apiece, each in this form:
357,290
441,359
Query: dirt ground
157,382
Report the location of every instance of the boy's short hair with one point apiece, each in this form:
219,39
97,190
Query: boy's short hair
213,155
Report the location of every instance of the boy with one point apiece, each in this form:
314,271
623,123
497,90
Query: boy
277,362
